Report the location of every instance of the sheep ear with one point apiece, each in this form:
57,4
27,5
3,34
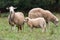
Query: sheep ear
15,7
7,8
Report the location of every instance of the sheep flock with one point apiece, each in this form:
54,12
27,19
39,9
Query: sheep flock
37,18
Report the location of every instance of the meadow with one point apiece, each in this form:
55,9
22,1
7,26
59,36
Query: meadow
52,32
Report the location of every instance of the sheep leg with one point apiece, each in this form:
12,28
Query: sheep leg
12,24
23,26
31,29
19,27
43,28
13,27
48,24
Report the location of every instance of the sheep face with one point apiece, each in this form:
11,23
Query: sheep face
55,21
26,19
11,9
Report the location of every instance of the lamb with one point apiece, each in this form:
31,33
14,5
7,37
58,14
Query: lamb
39,12
36,23
16,18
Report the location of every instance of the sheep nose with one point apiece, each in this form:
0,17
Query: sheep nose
57,23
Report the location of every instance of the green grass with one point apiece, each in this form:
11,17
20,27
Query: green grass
52,33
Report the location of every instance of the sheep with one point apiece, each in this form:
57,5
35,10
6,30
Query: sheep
16,18
39,12
36,23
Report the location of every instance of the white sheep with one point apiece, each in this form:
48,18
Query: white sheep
16,18
36,23
39,12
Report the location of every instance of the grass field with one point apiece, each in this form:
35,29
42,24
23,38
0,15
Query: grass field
52,33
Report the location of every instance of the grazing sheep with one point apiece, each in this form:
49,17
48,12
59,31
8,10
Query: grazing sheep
37,23
16,18
39,12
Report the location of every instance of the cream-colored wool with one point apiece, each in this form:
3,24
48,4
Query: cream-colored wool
16,18
37,23
39,12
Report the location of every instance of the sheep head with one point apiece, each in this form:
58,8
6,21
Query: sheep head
56,21
27,19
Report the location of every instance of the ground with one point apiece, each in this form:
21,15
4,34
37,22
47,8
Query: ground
52,33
